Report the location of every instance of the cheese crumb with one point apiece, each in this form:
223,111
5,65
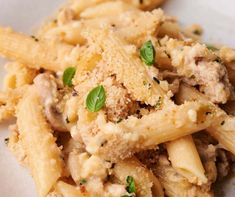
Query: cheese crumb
192,114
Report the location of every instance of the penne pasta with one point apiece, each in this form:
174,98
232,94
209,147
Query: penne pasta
67,190
128,70
34,54
185,159
18,75
106,9
44,157
146,4
8,102
222,129
172,122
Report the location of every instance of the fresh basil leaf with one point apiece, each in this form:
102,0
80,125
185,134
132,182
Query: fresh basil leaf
68,76
96,99
147,53
130,184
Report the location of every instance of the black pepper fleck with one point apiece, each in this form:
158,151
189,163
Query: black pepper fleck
35,39
155,79
6,141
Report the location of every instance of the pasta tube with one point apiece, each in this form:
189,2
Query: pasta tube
129,70
133,135
185,159
33,53
223,128
44,157
67,190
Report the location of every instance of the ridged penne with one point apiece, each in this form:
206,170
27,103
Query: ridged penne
185,159
43,158
168,124
129,70
223,128
34,54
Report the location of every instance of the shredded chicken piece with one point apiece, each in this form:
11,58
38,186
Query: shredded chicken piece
223,163
207,152
199,66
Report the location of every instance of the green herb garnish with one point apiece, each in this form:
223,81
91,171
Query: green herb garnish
82,181
147,53
130,184
96,99
211,47
68,76
159,103
125,196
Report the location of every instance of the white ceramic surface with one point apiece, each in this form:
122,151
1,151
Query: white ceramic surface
216,16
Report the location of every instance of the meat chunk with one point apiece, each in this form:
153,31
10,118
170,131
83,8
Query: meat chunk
199,66
207,152
216,161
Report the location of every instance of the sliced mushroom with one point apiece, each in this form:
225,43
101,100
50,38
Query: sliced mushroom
47,88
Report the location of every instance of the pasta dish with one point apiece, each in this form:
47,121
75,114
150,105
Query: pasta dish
116,99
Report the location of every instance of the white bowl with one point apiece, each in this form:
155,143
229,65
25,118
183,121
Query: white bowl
217,17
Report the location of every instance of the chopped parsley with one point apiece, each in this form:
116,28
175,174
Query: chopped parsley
68,76
96,99
130,184
82,181
147,53
148,85
159,103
